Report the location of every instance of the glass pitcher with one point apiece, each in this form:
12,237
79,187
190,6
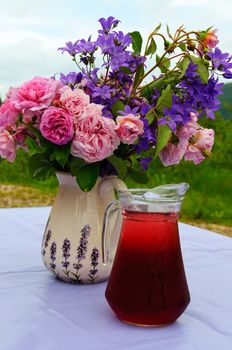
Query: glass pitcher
147,285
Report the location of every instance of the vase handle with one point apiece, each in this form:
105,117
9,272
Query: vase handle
110,183
105,186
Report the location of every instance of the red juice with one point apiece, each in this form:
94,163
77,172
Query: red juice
147,285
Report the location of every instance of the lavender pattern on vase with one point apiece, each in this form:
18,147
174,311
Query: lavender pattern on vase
81,252
66,254
53,255
94,262
46,241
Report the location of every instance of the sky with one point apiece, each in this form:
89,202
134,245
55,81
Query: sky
32,30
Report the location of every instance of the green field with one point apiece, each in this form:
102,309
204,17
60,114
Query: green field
209,198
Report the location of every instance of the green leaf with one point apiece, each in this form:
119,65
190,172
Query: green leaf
137,42
148,90
151,49
165,99
168,31
61,154
138,176
117,106
184,66
182,47
75,165
39,164
126,70
164,64
157,28
164,134
150,116
139,74
87,176
119,165
202,70
43,171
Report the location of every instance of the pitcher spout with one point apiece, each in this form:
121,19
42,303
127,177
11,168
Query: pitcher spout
169,191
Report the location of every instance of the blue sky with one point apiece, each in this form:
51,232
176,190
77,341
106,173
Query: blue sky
32,30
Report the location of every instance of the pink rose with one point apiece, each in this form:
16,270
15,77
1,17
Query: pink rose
8,114
95,138
7,146
200,145
172,154
190,128
57,125
35,95
20,135
128,128
75,101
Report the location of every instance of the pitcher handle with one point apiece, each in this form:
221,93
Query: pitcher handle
112,208
104,187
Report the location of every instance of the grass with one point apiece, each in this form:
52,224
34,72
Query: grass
208,201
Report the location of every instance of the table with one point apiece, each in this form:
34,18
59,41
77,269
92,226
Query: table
38,312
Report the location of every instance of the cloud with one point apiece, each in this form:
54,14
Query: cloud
31,31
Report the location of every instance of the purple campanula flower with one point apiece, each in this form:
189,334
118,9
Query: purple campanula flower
122,40
191,71
142,145
122,79
148,138
108,24
172,115
106,44
155,96
145,162
128,110
105,92
70,47
227,75
71,78
86,46
220,61
199,96
106,168
144,109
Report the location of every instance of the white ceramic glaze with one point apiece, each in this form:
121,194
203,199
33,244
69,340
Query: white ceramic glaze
72,247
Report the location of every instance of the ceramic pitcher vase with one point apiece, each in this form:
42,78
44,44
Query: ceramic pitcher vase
71,246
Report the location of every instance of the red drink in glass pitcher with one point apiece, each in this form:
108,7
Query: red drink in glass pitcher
147,285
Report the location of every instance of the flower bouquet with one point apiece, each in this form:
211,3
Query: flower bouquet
129,102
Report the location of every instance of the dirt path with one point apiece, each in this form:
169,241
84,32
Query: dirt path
22,196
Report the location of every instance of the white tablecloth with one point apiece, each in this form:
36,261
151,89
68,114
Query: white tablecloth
38,312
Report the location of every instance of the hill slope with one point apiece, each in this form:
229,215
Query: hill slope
226,101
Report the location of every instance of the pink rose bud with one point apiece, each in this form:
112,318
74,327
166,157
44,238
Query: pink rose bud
75,101
35,95
128,128
209,40
57,125
95,138
200,146
7,145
